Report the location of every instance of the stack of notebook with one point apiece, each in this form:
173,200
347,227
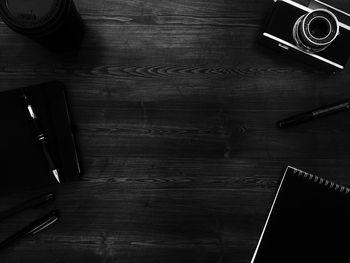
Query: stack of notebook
308,222
22,161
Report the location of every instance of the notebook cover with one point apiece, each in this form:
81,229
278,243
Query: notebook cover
308,222
22,163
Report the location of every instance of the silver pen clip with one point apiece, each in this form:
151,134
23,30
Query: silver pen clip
44,225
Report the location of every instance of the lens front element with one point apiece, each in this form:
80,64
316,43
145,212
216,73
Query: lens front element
319,27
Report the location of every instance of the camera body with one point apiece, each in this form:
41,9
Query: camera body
318,34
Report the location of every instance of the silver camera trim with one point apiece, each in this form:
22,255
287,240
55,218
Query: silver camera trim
286,45
313,2
308,9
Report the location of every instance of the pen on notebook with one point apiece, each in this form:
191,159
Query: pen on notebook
314,114
32,228
41,138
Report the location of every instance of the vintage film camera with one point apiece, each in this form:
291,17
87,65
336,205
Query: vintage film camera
318,34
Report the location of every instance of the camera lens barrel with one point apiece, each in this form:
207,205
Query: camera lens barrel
54,23
316,30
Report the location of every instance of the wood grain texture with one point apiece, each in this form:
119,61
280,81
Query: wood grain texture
175,104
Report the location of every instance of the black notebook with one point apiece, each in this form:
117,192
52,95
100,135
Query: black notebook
308,222
22,161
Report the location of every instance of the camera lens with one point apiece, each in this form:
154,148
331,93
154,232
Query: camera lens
319,27
53,23
316,30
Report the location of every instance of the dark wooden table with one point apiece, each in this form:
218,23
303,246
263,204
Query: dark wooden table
176,105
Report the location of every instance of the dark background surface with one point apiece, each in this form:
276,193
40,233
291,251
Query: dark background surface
176,104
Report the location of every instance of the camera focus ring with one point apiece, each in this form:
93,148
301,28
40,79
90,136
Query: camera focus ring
316,30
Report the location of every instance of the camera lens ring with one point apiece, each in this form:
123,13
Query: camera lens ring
313,34
316,30
325,15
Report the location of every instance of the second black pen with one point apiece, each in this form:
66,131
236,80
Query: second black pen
314,114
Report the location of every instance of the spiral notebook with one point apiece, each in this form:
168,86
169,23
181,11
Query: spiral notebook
308,222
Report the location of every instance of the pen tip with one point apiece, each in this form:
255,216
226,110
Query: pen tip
55,173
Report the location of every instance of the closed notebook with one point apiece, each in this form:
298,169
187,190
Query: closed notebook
308,222
22,162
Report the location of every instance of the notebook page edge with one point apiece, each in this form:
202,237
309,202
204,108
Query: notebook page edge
270,212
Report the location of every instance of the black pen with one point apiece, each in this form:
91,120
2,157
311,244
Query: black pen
41,138
314,114
32,228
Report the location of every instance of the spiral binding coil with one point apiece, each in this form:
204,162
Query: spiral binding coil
322,181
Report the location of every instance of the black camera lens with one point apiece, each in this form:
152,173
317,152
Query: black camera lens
54,23
316,30
319,27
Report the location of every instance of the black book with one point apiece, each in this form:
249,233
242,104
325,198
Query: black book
308,222
22,161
